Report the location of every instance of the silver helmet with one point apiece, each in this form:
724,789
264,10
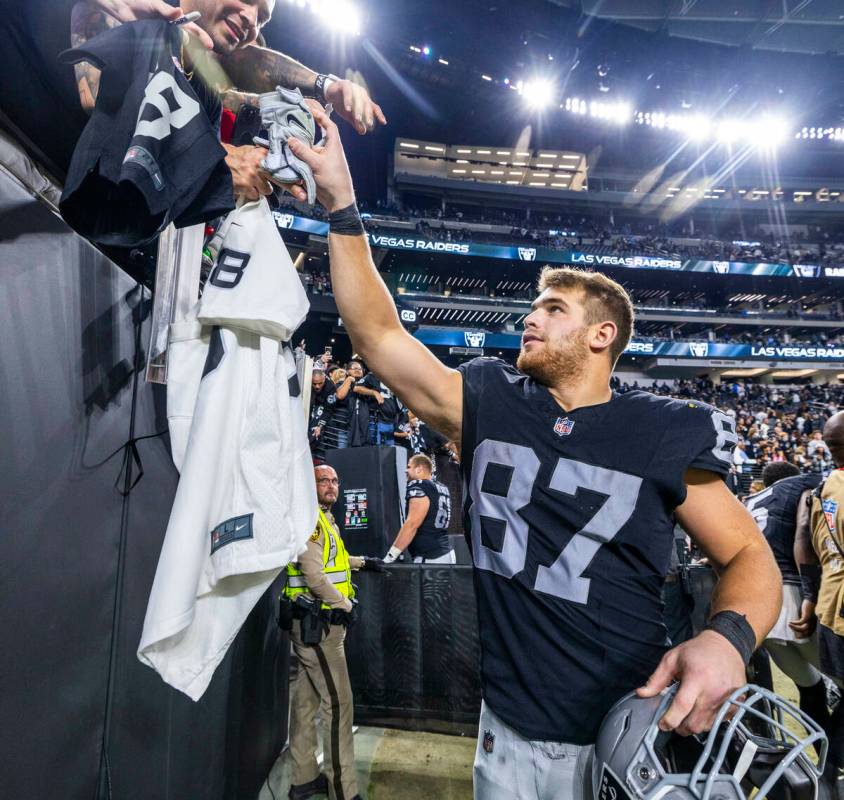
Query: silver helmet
757,748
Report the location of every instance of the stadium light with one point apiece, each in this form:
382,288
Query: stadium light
341,16
730,131
538,93
770,132
619,113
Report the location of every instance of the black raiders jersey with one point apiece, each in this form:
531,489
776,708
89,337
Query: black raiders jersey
569,517
150,154
431,540
775,511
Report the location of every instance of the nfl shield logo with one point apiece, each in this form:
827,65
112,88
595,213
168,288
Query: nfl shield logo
563,426
489,741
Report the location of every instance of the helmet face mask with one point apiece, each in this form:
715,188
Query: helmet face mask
750,746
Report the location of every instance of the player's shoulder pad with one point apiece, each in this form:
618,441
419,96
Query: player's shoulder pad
482,370
680,410
416,488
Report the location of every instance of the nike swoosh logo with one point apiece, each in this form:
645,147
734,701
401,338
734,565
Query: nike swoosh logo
240,527
291,120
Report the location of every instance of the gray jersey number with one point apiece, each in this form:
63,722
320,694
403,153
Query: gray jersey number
759,513
443,517
564,578
725,434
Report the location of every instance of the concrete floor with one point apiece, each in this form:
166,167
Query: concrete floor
398,765
406,765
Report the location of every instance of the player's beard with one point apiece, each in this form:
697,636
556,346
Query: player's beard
558,363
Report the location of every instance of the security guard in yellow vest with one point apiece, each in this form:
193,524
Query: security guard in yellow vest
322,579
819,553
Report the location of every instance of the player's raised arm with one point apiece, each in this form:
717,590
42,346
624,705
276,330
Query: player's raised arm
433,391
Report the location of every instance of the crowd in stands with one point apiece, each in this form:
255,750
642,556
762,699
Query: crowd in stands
678,239
318,282
351,407
773,423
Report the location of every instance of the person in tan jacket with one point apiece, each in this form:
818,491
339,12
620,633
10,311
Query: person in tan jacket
819,553
319,585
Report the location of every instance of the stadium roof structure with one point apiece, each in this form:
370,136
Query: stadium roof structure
799,26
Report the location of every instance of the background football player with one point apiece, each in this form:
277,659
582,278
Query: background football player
572,491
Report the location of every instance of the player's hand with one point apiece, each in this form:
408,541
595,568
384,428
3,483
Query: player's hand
804,626
131,10
379,398
328,164
250,181
709,669
373,565
353,103
315,432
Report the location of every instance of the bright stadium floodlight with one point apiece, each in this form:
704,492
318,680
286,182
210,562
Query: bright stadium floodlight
339,15
538,93
769,132
730,131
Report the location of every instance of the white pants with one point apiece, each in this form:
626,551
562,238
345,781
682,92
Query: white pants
446,558
798,658
510,767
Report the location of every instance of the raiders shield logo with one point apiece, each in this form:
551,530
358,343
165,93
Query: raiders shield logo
610,787
489,741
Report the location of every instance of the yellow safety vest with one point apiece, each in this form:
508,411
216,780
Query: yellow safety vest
335,564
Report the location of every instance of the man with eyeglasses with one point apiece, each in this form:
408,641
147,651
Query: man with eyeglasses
322,601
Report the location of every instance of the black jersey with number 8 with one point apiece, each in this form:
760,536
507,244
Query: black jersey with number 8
569,517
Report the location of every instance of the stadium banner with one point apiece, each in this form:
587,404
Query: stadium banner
547,255
457,337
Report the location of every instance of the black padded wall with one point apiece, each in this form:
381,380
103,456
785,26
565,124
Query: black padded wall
414,657
78,559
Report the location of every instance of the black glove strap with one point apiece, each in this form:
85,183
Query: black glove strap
346,221
810,581
735,628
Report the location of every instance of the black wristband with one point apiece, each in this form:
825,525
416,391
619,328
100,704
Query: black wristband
346,221
319,85
810,581
735,628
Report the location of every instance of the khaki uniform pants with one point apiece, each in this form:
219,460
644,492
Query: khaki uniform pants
322,684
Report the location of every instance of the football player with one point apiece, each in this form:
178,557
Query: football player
572,491
792,642
424,533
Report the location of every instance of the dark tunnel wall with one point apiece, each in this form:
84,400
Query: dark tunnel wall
78,562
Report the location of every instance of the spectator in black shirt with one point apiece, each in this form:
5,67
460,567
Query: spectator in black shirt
383,409
334,423
418,437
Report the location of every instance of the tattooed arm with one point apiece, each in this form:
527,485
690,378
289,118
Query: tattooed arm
89,18
259,69
86,21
